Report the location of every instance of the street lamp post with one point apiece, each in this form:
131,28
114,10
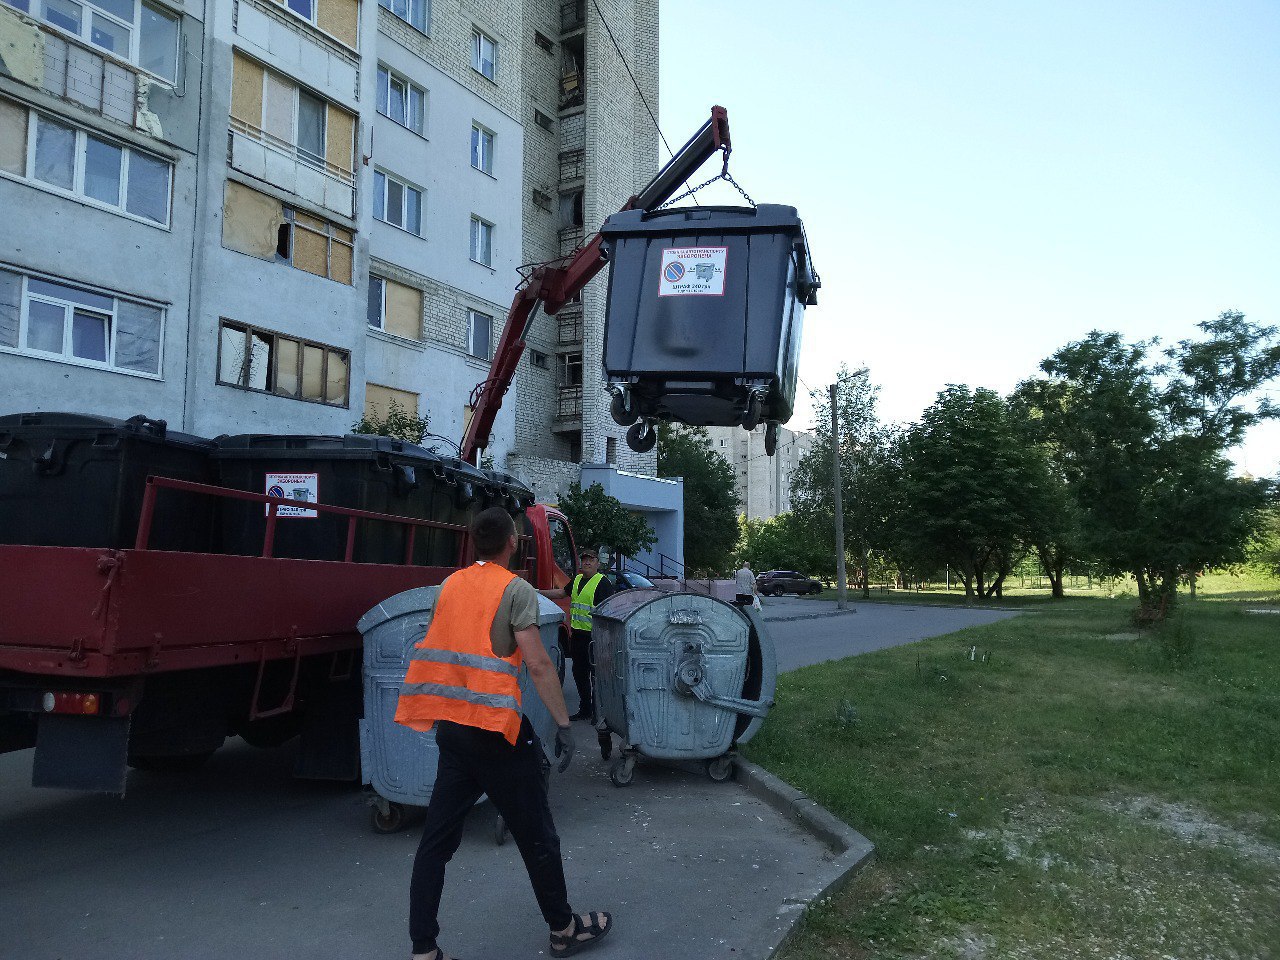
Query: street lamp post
841,583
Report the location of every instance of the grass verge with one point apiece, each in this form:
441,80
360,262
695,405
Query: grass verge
1086,790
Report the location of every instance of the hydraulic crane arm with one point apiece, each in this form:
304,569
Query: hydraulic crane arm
551,286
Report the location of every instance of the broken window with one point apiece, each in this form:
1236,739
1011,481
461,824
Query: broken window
256,359
571,209
263,227
570,372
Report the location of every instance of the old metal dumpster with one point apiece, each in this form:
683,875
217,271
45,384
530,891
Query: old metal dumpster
705,310
400,763
680,676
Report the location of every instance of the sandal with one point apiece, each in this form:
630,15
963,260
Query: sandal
564,945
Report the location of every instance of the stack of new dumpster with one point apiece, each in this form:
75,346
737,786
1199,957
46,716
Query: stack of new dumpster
680,676
400,763
74,480
705,310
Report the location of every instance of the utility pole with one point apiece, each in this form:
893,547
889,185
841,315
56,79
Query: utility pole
841,583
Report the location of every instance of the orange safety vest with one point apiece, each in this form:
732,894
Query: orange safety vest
454,673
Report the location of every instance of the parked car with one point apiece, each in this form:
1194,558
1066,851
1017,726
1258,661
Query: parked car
626,580
773,582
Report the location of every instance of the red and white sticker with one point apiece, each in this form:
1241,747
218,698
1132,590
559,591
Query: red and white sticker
693,272
304,487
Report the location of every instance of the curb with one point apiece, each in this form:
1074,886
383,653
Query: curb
851,850
811,616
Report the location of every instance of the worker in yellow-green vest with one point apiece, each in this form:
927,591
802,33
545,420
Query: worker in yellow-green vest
585,591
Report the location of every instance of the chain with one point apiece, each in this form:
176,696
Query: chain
722,175
734,183
689,193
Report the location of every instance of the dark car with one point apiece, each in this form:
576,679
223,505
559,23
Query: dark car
773,582
626,580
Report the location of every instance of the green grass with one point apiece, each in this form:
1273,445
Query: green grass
1087,791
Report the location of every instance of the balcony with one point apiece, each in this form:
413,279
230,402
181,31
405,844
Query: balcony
569,404
573,15
257,153
573,165
569,321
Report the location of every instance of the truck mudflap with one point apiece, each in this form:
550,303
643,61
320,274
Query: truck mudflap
81,753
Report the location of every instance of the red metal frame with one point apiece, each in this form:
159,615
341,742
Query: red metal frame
552,286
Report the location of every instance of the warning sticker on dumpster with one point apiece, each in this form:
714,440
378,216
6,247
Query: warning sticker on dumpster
303,487
692,272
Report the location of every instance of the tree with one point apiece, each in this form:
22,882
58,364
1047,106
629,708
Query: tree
710,497
1141,435
973,490
867,472
398,423
778,543
598,520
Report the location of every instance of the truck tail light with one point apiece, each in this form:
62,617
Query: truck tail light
65,701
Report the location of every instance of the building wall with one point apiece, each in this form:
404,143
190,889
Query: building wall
763,483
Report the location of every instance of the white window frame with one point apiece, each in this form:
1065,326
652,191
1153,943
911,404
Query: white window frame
471,331
478,39
80,149
479,226
411,5
410,89
482,141
69,306
382,304
33,8
387,177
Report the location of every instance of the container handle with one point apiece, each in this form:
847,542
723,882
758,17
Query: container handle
725,208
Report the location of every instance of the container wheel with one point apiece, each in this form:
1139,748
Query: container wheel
500,831
751,418
389,821
770,438
642,437
720,769
623,409
622,772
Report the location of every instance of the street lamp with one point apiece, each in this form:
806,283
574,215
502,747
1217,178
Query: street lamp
842,583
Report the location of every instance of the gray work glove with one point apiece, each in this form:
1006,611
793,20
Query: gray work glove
564,748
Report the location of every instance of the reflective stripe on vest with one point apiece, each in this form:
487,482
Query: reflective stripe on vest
582,600
453,672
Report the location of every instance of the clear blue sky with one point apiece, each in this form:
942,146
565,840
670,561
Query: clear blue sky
983,182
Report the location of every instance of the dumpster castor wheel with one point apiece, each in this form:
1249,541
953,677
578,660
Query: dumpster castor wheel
623,409
642,437
720,769
623,771
771,438
389,821
751,418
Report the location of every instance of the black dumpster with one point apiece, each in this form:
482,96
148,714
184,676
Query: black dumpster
704,316
378,474
74,480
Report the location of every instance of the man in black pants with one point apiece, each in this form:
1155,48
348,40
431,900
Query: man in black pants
463,681
585,591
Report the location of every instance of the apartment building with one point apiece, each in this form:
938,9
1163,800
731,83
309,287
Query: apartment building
763,483
277,215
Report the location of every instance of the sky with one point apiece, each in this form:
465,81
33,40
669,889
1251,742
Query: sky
984,182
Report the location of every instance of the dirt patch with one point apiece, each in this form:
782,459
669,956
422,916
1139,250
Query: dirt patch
1194,826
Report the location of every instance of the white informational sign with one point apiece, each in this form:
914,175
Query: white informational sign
693,272
304,487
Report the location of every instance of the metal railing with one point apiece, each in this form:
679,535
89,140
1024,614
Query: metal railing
569,329
294,152
573,15
573,165
569,406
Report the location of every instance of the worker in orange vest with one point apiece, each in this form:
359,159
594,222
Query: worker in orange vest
463,680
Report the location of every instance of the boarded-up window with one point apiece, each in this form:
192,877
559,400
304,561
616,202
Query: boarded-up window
251,221
246,90
256,359
377,400
404,311
341,142
339,18
13,138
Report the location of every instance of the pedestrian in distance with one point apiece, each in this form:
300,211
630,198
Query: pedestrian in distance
745,584
587,590
463,680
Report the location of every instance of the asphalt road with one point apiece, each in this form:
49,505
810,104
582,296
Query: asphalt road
240,861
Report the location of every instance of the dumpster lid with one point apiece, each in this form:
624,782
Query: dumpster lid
63,423
344,446
766,218
621,606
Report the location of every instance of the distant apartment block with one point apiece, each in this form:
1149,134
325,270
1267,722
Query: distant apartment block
763,483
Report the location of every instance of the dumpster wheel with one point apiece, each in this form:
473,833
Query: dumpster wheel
642,436
623,408
390,820
623,770
720,768
771,438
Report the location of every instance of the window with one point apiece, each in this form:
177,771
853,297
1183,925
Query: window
563,552
539,359
265,228
481,149
479,333
395,308
542,120
271,108
140,33
484,54
59,321
571,209
482,241
570,372
378,400
254,359
400,100
397,203
74,161
412,12
543,41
